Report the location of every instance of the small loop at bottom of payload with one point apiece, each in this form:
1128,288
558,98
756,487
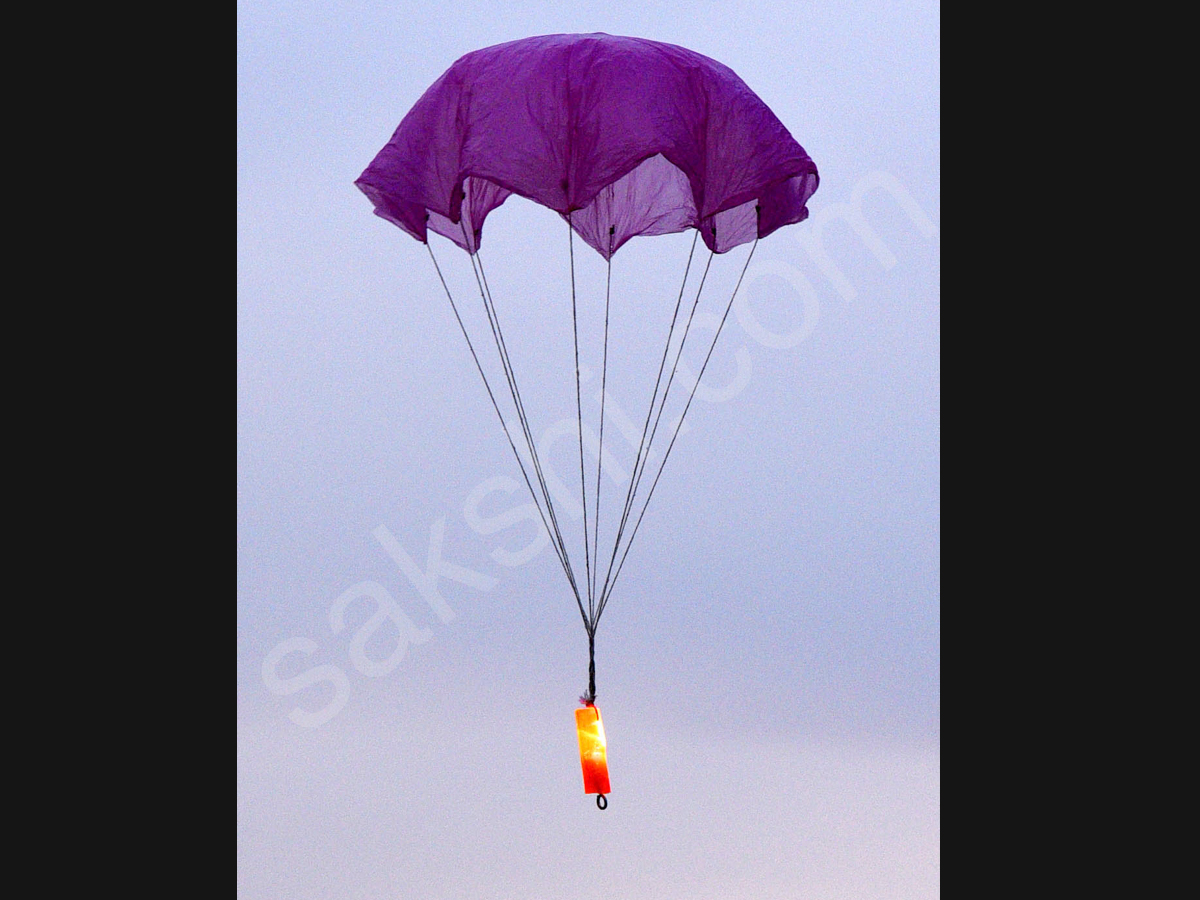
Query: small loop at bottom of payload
602,801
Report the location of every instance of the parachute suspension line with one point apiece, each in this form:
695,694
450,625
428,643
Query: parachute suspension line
495,405
670,380
679,425
643,454
579,416
510,374
653,397
603,383
502,348
552,527
590,696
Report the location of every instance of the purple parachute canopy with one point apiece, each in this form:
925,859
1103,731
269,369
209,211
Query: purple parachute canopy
622,136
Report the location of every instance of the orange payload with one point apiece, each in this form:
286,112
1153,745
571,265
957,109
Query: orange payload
592,753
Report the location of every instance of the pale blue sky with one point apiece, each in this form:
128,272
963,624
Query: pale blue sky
768,668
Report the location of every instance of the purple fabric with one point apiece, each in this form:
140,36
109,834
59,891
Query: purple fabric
617,132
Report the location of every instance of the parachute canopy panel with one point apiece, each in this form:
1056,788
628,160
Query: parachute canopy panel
624,136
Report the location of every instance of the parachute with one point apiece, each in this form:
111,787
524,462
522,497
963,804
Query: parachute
621,137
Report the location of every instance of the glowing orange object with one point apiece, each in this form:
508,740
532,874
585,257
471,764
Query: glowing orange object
592,750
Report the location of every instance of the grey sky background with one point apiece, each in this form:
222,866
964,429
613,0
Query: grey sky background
768,668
